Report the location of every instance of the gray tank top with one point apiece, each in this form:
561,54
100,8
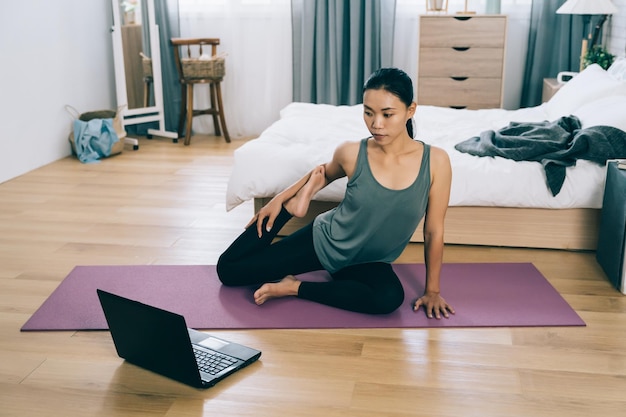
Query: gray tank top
372,223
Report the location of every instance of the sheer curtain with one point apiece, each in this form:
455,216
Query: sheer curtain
256,36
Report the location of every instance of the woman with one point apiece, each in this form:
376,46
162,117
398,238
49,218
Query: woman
393,181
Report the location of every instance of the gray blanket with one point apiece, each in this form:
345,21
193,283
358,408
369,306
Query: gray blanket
556,145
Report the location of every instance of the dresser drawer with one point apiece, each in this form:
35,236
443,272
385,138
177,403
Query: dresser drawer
470,93
462,31
461,61
470,62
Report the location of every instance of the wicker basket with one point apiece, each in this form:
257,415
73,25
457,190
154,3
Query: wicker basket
118,146
203,68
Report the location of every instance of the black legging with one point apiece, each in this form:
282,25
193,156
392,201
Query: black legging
372,288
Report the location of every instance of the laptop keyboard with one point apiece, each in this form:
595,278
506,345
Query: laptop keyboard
212,362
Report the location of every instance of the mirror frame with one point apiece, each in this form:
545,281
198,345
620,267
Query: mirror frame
143,114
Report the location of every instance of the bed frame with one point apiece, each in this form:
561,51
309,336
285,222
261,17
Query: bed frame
571,229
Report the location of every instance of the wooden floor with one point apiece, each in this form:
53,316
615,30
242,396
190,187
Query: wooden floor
164,204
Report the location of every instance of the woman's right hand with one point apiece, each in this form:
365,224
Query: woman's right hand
269,211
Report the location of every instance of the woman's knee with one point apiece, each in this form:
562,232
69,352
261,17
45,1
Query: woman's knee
225,273
389,301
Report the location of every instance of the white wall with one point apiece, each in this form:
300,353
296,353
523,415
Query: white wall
617,30
53,53
518,28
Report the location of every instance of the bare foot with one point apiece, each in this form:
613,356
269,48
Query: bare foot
298,205
283,288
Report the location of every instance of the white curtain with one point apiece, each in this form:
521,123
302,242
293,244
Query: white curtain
256,35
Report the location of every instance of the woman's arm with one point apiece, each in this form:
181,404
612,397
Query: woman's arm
332,170
438,198
271,210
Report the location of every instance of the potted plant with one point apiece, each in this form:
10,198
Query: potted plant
130,7
437,5
598,55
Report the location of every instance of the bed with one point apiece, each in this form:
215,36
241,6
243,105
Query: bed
494,201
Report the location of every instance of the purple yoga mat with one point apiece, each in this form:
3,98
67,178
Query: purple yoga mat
483,295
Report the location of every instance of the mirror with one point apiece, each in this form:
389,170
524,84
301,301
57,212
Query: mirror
137,61
136,50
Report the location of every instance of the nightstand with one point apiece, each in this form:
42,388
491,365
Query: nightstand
611,249
550,87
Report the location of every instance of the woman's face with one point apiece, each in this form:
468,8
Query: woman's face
385,115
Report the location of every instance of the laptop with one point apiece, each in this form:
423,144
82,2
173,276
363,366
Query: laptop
159,340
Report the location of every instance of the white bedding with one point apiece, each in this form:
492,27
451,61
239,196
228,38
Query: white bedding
307,134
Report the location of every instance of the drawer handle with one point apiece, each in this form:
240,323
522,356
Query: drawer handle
463,18
461,48
459,78
458,107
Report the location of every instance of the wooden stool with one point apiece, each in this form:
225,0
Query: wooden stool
146,66
193,70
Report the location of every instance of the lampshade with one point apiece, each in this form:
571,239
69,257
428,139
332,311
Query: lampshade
587,7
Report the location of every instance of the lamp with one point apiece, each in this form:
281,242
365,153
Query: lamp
587,8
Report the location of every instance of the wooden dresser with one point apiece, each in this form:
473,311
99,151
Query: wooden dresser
461,61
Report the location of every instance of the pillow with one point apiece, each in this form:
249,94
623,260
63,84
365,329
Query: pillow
618,69
589,85
607,111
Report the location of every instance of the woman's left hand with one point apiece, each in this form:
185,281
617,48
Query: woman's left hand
434,304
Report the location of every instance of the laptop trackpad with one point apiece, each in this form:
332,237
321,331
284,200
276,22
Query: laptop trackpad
213,343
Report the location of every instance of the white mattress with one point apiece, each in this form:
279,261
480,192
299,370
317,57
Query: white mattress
307,134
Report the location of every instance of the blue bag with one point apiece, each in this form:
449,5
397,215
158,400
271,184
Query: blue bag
94,139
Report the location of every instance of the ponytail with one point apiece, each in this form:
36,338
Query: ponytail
409,128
